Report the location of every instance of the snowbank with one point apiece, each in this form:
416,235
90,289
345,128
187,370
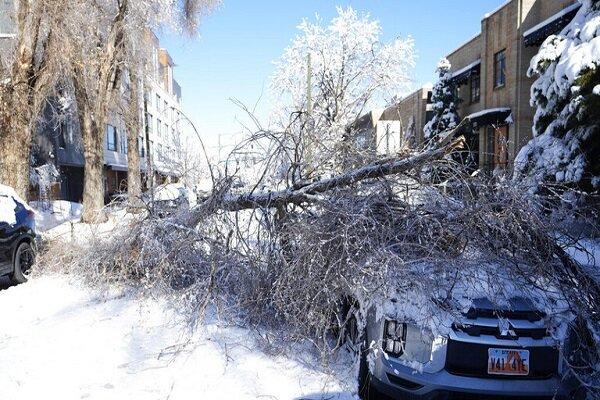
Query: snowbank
59,340
54,213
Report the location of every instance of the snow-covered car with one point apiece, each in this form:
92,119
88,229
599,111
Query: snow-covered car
17,236
494,352
170,197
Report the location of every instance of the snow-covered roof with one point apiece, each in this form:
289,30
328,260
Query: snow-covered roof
491,116
552,19
466,69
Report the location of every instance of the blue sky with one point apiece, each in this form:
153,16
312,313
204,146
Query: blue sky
238,42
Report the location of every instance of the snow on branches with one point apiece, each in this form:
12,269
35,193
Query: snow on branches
565,148
336,72
444,102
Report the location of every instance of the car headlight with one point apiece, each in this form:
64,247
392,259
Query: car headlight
407,341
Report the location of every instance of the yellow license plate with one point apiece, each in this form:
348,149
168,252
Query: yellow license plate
508,362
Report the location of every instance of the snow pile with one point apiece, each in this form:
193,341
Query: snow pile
54,213
567,120
444,103
60,340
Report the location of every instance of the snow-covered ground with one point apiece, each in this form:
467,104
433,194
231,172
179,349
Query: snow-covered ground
61,340
54,213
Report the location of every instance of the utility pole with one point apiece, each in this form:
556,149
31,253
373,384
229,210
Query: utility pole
308,85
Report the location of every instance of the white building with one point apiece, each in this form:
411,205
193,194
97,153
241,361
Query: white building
164,139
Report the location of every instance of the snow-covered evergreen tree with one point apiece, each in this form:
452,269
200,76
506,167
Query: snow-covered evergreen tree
565,148
444,102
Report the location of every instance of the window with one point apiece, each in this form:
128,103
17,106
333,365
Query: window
158,127
7,24
141,147
165,107
500,68
160,152
111,138
123,146
158,103
150,123
475,86
62,134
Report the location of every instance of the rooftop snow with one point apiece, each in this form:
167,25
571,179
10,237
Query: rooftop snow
488,111
467,68
553,18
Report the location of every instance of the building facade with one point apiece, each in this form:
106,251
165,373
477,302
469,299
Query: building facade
163,145
389,131
161,140
490,70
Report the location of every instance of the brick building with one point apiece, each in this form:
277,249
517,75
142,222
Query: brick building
491,72
388,131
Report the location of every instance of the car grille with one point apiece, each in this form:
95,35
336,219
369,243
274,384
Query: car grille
470,359
478,330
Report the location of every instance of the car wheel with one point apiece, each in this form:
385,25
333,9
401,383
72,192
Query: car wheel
366,389
22,263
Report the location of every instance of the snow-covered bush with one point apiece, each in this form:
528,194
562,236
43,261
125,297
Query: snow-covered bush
445,103
565,148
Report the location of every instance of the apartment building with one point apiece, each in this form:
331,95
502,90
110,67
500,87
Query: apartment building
413,112
490,70
163,141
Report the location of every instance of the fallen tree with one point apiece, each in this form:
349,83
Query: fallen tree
304,192
289,258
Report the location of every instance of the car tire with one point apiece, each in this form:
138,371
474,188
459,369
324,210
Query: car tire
366,389
22,263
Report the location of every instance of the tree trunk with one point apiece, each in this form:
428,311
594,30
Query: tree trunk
32,74
93,173
15,150
16,138
134,177
92,135
93,105
307,192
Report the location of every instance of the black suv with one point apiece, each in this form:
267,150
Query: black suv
17,236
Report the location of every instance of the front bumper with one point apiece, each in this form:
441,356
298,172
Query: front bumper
398,381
